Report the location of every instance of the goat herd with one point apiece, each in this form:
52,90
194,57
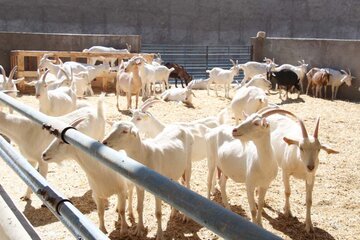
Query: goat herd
264,139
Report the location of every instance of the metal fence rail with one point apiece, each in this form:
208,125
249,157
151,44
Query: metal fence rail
197,59
207,213
61,207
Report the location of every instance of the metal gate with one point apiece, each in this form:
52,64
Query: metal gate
197,59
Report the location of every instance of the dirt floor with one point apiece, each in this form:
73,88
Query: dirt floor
336,197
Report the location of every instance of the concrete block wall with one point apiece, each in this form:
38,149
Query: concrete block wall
187,21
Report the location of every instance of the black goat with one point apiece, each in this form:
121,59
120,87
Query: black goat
286,79
179,73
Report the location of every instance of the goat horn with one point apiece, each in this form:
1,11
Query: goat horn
349,71
147,104
77,121
3,72
267,108
232,61
316,131
66,75
44,76
12,73
301,123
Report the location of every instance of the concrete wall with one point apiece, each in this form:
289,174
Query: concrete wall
186,21
337,54
59,42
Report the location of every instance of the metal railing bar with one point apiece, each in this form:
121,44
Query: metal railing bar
63,209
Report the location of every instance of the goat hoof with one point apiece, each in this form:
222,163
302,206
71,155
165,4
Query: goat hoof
140,231
309,228
24,198
103,229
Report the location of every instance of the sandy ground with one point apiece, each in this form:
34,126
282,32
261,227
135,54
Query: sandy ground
336,198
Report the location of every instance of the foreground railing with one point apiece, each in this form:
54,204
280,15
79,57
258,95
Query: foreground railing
207,213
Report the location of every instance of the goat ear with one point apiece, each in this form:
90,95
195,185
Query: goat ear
264,123
109,122
291,141
328,149
16,81
193,93
134,132
245,114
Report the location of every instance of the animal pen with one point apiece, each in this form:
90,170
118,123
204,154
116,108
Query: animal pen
28,61
218,219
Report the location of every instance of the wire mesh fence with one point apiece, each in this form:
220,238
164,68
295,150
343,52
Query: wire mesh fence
197,59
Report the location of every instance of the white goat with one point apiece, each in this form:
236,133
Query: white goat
223,76
179,95
259,81
151,126
128,80
297,154
248,100
300,71
55,102
9,84
337,78
55,69
150,74
168,154
31,139
249,158
103,181
253,68
200,84
102,49
84,78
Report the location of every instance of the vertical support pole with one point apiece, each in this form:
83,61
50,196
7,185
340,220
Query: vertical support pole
207,57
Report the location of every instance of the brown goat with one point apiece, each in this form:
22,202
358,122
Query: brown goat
317,79
179,73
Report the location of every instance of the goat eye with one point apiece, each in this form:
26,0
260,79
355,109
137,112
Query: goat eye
124,131
138,119
301,149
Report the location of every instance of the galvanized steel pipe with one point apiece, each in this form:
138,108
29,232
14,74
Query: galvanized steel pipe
61,207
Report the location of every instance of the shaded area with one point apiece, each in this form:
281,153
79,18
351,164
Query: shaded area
42,216
295,229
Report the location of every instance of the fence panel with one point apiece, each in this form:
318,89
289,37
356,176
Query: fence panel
197,59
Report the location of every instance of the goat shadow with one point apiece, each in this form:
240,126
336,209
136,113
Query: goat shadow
43,216
293,228
291,100
126,112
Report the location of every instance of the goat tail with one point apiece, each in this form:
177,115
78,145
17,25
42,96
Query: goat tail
241,66
171,69
100,107
222,116
208,71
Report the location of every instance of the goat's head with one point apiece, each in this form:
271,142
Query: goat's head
58,150
128,47
9,83
44,61
309,147
40,85
253,127
188,94
121,133
141,117
347,78
137,60
235,67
